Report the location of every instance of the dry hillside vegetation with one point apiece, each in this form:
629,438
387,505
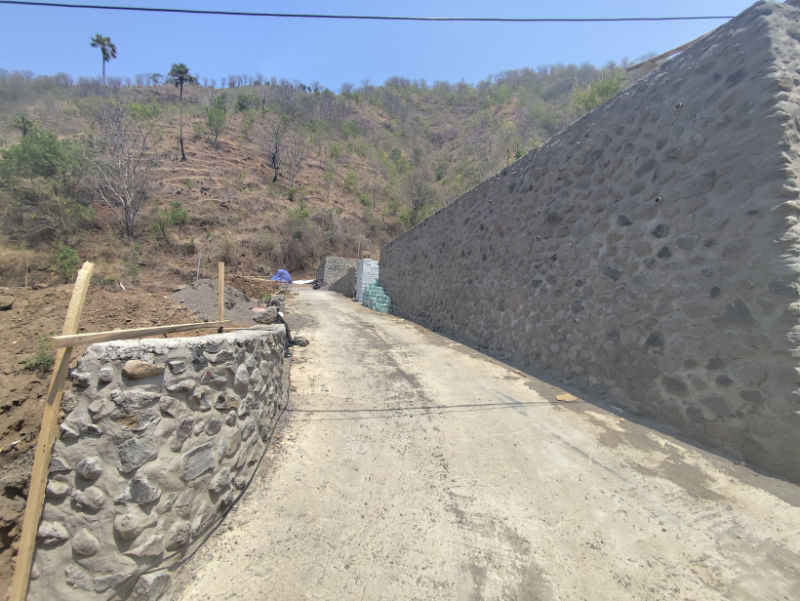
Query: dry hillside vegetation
277,174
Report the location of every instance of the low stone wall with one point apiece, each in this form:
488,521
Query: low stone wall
161,438
648,253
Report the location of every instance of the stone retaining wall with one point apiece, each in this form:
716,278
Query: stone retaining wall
161,438
333,269
648,253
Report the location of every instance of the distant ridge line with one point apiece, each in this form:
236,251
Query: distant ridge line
232,13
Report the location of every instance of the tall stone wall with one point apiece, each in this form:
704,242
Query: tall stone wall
161,438
648,253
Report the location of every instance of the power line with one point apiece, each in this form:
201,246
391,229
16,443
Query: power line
232,13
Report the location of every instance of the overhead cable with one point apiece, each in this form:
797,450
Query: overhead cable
234,13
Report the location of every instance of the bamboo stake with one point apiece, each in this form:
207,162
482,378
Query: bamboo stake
44,444
221,288
91,338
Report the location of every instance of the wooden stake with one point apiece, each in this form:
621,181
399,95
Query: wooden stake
91,338
44,444
221,286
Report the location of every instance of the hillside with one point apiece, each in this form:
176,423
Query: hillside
278,174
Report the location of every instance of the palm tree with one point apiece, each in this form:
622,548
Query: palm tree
179,75
107,49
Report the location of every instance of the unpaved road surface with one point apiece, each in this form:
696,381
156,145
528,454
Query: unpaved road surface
411,467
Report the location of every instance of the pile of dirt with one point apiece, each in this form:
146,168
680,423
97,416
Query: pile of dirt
255,288
202,297
42,312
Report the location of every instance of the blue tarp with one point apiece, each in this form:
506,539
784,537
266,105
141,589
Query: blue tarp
282,276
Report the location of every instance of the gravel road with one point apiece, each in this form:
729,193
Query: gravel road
411,467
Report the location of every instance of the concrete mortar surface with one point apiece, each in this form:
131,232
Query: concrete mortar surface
409,466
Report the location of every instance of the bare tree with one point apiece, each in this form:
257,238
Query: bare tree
295,153
120,164
274,146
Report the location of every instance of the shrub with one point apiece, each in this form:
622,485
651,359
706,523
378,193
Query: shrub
215,121
177,214
66,262
197,130
350,181
246,101
43,359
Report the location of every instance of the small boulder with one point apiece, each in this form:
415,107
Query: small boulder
6,302
267,316
300,341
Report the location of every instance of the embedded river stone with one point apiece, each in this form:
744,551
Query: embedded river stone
135,369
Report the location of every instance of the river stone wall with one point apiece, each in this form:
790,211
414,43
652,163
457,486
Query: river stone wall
161,438
649,252
337,270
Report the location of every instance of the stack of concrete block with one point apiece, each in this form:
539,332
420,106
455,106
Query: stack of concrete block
367,272
375,298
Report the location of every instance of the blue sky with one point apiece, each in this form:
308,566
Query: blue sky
51,40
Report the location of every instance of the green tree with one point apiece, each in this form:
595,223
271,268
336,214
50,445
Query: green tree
215,121
107,49
587,98
179,75
41,196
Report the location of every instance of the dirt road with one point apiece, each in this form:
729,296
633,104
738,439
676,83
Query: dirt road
411,467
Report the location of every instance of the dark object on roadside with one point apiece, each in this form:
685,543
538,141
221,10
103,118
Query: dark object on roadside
318,284
277,301
282,276
267,316
297,340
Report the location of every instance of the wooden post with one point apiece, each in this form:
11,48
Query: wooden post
221,286
44,444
